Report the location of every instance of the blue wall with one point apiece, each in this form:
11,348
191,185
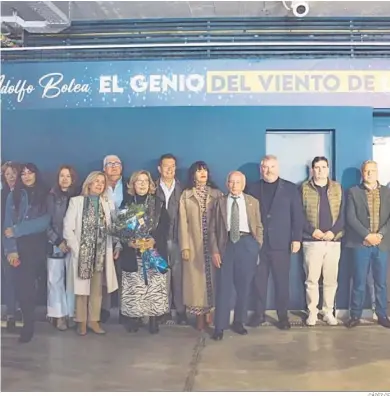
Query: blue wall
225,137
140,135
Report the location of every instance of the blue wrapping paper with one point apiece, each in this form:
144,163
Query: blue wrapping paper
151,259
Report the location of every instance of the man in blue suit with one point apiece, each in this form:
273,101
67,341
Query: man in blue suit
282,217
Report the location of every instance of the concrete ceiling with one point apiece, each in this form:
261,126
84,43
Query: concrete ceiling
103,10
200,9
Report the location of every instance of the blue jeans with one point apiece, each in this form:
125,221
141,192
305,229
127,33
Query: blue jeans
9,287
363,257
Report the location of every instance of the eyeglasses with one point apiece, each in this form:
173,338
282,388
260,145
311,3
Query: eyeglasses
142,182
113,164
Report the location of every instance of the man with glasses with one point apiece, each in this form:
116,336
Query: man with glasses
117,189
169,191
117,192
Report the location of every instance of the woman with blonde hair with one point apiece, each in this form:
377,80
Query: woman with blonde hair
140,298
86,225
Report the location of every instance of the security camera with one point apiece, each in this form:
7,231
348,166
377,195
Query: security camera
300,8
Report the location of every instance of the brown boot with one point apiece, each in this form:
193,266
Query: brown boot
82,328
95,327
61,324
200,322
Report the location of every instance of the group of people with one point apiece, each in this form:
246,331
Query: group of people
213,242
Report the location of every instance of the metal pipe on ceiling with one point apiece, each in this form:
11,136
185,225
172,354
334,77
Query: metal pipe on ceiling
202,44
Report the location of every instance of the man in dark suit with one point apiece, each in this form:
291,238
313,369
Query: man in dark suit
368,234
169,190
236,234
282,216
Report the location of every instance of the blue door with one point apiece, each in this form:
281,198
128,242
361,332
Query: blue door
295,151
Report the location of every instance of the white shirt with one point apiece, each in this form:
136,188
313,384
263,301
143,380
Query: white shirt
167,191
244,225
116,194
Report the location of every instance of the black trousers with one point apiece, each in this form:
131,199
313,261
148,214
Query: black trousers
278,262
25,282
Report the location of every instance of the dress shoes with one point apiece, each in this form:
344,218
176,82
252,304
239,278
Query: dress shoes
81,328
26,333
256,320
61,324
131,324
284,324
95,327
217,335
353,322
181,318
239,328
384,321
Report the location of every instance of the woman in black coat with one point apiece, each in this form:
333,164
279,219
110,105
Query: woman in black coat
9,175
24,239
142,297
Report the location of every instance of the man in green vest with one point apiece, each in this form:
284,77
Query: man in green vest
323,206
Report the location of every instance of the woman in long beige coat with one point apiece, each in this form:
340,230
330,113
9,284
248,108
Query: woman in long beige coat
196,204
86,226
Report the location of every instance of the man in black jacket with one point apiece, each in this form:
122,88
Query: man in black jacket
168,189
282,217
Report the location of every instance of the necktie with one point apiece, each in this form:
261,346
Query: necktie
235,222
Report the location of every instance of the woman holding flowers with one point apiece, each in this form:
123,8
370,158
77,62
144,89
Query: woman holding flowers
86,225
144,291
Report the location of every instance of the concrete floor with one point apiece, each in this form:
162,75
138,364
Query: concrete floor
179,359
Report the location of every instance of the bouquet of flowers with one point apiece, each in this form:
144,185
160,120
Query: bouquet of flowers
133,223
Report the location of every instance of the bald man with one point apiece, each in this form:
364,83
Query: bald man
236,235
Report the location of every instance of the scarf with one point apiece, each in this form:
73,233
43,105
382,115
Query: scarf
93,238
201,192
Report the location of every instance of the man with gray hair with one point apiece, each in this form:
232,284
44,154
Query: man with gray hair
282,216
117,191
236,234
117,187
368,234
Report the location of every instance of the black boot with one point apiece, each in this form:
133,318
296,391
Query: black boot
104,316
181,318
27,332
256,320
153,325
131,324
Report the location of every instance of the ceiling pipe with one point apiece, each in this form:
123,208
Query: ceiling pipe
50,12
202,44
26,25
54,21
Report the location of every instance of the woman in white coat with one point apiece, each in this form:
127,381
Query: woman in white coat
86,223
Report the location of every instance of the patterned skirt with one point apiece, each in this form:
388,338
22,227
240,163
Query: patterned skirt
139,300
